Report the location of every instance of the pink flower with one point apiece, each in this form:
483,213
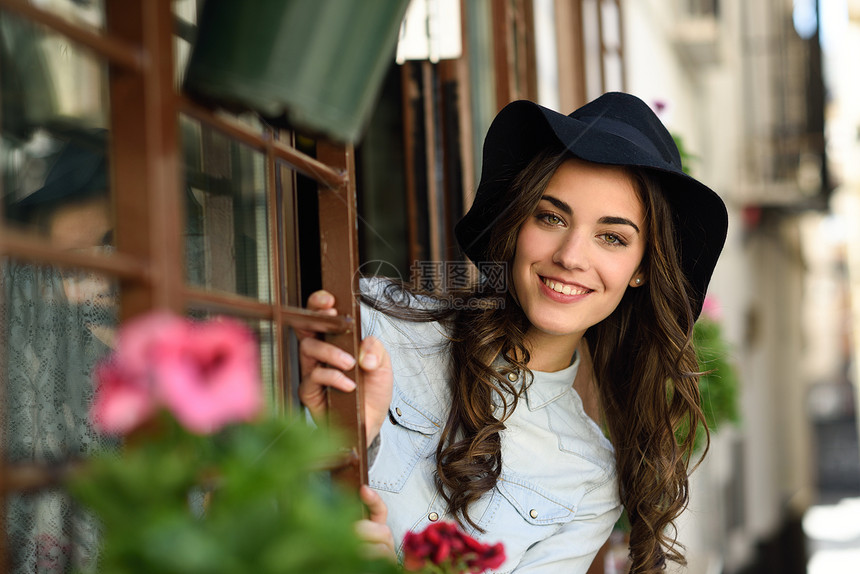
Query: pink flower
139,339
122,402
207,374
711,309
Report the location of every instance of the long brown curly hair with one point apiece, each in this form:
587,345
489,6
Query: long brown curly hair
645,398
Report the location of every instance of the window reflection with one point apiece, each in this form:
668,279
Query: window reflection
227,226
58,323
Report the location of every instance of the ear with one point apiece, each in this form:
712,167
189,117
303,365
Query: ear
637,281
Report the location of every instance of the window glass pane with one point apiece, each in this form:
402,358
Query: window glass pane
481,75
185,12
86,13
611,24
593,52
54,138
227,229
287,210
48,532
269,374
291,376
384,223
612,64
59,188
57,324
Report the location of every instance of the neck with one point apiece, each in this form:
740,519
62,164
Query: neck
550,353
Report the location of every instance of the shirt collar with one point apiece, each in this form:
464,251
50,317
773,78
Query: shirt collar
548,387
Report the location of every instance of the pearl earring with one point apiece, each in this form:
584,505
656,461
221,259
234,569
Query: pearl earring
638,280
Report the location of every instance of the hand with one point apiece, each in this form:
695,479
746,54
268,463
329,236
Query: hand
373,531
322,366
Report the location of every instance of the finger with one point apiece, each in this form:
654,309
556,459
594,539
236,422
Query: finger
320,301
375,364
312,352
377,538
375,505
374,533
373,356
312,389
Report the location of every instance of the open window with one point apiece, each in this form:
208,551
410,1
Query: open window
121,195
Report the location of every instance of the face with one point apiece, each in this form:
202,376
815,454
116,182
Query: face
580,250
84,226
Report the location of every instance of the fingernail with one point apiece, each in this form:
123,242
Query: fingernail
348,360
324,298
350,383
368,361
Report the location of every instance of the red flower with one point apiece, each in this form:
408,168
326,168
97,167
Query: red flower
444,545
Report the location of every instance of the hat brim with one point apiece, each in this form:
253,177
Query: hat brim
522,129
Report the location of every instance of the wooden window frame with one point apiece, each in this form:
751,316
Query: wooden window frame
572,61
514,54
138,46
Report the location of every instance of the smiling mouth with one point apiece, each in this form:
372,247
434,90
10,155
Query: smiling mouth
565,289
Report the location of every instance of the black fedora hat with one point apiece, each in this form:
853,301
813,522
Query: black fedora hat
77,171
614,129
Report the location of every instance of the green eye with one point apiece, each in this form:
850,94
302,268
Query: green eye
550,218
612,239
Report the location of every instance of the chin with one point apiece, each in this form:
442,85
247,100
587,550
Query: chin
555,328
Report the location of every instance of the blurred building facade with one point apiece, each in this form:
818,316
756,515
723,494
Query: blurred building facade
745,89
741,84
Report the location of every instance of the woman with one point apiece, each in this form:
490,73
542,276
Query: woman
489,411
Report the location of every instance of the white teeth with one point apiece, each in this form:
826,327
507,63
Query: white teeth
563,289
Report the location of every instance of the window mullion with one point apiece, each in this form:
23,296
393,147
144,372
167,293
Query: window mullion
339,263
146,156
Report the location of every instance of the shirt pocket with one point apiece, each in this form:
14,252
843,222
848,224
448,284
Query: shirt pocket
409,437
535,505
525,514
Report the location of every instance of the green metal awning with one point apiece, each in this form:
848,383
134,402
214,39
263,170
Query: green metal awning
317,64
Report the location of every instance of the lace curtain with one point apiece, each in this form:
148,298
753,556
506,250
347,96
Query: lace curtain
51,346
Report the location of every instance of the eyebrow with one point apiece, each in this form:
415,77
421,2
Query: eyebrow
606,219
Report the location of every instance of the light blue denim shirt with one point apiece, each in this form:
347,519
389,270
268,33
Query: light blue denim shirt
557,498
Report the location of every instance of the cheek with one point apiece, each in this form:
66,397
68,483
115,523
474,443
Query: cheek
623,273
520,265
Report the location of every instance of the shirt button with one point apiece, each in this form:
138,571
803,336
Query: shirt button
512,377
399,413
533,513
433,517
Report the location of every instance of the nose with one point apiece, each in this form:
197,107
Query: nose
572,252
